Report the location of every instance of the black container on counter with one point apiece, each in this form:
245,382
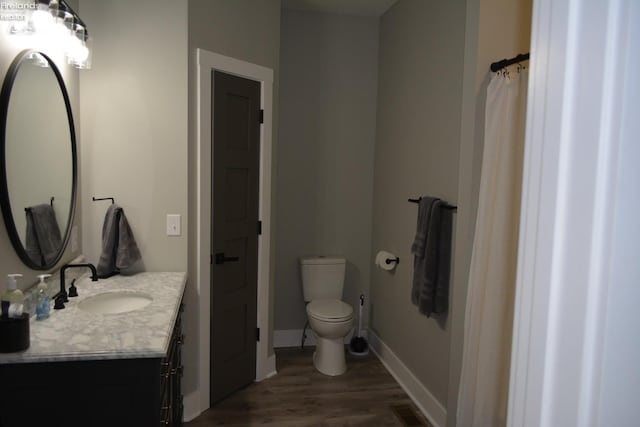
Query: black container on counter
14,333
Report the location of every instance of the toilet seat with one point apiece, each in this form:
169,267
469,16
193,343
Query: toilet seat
330,310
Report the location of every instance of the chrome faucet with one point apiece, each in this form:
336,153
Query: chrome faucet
61,297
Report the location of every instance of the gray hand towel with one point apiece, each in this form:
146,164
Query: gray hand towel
119,247
432,255
42,235
424,214
441,294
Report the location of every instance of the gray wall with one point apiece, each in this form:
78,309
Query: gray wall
325,154
248,30
134,125
134,128
9,47
243,29
417,150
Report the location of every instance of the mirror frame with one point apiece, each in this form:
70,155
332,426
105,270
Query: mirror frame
5,203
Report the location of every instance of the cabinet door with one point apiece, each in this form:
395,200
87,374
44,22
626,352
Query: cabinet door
102,393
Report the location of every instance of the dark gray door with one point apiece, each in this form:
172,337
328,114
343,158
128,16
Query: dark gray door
234,240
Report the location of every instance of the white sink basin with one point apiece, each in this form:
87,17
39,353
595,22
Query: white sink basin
115,302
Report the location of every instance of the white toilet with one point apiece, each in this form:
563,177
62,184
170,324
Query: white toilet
330,318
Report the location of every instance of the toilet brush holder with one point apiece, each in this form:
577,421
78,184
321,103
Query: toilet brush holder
14,333
358,345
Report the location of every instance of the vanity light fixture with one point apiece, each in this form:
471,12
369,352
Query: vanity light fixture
55,22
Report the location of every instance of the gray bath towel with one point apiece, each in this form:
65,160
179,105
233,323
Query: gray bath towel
119,247
42,235
432,256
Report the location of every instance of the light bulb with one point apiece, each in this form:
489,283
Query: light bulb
54,7
82,54
79,53
41,19
72,46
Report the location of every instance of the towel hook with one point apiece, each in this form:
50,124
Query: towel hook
103,198
444,206
28,210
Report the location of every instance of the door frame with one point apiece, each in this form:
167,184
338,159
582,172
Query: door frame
576,289
206,63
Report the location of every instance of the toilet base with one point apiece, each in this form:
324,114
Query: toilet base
329,358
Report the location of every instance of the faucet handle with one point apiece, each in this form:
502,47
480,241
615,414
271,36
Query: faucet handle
73,291
59,305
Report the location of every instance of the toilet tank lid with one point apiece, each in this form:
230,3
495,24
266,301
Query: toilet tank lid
322,260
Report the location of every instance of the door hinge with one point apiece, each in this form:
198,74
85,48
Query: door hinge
259,228
261,115
257,334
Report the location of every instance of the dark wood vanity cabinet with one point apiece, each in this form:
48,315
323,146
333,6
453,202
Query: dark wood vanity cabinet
111,392
171,407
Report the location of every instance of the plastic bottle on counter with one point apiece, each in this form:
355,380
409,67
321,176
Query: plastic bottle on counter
43,302
12,297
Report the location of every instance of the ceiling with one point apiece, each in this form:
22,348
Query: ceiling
344,7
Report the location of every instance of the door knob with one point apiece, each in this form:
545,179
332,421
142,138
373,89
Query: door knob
221,259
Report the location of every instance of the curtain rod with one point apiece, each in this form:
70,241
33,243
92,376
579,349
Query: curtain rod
499,65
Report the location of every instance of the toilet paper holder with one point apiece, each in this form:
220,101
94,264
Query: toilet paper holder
386,260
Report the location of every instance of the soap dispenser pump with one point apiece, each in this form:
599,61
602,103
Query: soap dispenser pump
43,306
12,295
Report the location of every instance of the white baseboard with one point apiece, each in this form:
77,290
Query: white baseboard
293,337
270,368
423,399
191,406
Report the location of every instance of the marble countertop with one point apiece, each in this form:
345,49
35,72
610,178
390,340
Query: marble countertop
75,334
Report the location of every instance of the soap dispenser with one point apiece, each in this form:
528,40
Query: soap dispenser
43,304
12,296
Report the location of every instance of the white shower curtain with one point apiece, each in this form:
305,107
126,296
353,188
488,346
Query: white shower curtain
482,398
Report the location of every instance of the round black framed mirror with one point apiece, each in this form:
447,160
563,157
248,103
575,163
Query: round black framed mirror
38,159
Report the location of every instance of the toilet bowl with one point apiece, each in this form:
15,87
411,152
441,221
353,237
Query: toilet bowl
330,320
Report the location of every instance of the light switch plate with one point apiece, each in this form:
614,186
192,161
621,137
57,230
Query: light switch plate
173,225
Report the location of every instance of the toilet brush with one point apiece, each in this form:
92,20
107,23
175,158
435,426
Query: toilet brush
358,345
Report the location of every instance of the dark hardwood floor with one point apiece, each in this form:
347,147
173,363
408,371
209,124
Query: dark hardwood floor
367,395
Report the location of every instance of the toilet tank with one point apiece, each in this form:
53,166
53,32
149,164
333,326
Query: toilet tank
322,277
